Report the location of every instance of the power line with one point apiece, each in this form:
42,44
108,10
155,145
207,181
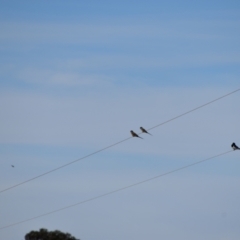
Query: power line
65,165
117,190
204,105
112,145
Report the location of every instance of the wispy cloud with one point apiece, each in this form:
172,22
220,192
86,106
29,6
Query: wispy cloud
56,78
128,61
73,33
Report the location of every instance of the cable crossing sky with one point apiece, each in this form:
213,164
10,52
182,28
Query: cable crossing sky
117,190
112,145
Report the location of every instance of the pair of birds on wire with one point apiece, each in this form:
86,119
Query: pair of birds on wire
143,131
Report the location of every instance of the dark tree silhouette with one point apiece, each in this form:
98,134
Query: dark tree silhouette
44,234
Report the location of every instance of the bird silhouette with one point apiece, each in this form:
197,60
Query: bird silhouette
145,131
235,147
134,134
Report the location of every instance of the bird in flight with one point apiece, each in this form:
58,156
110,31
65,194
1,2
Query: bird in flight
145,131
134,134
12,165
235,147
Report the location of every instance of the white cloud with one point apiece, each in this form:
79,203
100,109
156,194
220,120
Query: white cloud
55,78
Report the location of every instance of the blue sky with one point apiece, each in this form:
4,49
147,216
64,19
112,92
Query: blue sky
77,76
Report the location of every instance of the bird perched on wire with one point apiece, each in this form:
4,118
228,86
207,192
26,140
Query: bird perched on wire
134,134
145,131
235,147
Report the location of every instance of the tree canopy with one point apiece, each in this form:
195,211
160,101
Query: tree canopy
44,234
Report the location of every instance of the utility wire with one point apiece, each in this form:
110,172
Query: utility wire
112,145
115,191
194,109
62,166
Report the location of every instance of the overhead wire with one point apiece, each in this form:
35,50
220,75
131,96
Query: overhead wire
194,109
112,145
115,191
